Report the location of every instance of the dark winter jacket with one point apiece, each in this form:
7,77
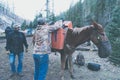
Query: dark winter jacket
16,42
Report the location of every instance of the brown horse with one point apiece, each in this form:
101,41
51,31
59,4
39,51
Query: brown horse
77,36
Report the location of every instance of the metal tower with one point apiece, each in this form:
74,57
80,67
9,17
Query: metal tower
49,9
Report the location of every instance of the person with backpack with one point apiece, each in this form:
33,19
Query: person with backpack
41,42
8,30
15,47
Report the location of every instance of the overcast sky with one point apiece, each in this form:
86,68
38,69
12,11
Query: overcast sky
29,8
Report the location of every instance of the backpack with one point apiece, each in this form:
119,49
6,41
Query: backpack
8,30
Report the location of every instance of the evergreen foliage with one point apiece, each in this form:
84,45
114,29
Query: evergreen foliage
74,14
24,25
114,35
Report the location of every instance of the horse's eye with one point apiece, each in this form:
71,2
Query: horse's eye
98,37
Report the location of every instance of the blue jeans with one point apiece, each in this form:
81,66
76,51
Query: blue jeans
41,66
12,57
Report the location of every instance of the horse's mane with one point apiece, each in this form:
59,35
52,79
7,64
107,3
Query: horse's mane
75,36
81,29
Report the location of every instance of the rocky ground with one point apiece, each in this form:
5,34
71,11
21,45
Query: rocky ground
107,71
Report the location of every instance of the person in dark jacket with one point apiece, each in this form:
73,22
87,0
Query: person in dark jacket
15,47
8,30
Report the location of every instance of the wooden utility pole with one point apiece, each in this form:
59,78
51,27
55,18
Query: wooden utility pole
47,8
53,16
50,9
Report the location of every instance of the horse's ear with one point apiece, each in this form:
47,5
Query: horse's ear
97,26
94,23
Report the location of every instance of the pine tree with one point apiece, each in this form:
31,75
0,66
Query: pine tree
114,35
23,26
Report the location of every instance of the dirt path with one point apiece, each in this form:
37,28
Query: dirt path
107,71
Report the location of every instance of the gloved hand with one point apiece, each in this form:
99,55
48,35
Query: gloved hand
8,52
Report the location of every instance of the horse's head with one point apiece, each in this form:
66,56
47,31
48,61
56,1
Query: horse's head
100,39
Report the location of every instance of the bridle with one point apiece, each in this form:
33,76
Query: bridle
98,34
103,44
